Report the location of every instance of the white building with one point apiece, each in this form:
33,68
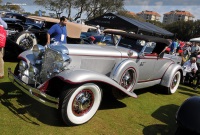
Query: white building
177,15
149,15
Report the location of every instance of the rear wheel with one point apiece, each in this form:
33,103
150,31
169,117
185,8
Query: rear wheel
78,105
174,83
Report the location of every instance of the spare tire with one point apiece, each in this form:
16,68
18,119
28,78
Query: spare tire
26,40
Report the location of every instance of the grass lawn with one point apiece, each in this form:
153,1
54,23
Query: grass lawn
152,113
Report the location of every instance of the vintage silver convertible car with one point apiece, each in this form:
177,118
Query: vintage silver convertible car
70,77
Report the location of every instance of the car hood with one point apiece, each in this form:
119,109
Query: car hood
97,50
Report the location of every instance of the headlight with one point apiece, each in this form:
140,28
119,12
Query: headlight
23,65
38,50
33,71
61,61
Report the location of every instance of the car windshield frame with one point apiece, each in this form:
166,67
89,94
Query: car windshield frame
137,45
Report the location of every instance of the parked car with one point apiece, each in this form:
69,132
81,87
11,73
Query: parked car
96,39
26,31
22,33
103,39
70,77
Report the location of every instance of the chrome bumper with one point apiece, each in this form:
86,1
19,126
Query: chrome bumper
33,92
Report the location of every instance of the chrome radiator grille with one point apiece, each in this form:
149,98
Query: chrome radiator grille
47,65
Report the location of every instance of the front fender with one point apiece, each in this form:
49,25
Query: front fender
167,77
84,76
27,56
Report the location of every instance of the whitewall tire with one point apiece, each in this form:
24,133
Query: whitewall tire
26,40
175,81
79,104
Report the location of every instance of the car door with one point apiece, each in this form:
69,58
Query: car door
146,62
146,66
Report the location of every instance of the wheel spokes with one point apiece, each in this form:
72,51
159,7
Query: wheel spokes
174,81
26,43
82,102
127,79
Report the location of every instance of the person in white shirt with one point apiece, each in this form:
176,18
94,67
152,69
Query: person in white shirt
195,49
186,51
98,30
190,67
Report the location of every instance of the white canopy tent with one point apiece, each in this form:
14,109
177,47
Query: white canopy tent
195,39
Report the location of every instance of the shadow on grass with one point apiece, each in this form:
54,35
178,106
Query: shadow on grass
110,102
153,89
25,105
165,114
186,88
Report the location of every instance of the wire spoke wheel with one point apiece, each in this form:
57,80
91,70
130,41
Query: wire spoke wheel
83,102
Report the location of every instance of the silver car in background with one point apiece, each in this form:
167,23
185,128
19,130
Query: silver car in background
71,77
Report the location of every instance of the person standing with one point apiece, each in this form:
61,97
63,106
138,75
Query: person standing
58,31
186,51
195,49
98,30
173,46
4,24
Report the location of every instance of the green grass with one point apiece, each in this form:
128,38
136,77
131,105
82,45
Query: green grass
151,113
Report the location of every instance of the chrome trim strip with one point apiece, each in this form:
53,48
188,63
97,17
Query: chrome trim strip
46,100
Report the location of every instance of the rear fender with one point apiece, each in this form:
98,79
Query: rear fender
167,77
121,67
85,76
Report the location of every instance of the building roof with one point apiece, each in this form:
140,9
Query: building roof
149,13
179,12
131,13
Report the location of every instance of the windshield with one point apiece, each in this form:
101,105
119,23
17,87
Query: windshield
137,45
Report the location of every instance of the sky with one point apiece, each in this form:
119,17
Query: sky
160,6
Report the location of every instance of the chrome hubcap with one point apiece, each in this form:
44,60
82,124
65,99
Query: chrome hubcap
26,43
127,79
174,81
82,102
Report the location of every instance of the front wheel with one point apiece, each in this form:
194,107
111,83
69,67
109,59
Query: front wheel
78,105
174,83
